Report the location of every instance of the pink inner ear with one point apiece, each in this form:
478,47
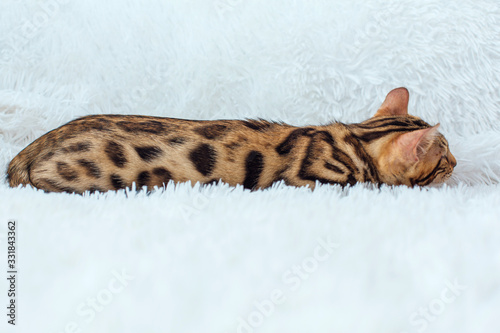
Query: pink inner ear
409,142
395,104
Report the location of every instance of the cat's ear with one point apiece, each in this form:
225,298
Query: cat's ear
395,104
414,145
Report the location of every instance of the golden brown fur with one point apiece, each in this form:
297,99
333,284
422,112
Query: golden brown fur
109,152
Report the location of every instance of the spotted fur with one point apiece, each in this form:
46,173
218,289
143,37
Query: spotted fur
111,152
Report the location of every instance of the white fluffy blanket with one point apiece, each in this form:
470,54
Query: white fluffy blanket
221,259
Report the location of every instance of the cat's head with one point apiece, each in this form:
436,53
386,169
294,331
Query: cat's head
406,149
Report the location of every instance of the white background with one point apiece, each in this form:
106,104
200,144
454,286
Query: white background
207,259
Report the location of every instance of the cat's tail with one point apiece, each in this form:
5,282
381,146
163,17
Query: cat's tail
18,172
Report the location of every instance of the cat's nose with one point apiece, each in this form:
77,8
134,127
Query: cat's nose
453,161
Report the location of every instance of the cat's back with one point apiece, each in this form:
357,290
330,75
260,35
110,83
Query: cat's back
104,152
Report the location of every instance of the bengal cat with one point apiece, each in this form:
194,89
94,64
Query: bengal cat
111,152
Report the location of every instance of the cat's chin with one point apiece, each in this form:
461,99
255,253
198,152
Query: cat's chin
447,180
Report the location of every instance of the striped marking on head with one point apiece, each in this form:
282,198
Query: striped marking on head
375,129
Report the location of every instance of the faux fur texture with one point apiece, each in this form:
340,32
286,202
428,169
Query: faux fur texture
221,259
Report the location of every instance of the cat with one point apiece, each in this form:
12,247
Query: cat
111,152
